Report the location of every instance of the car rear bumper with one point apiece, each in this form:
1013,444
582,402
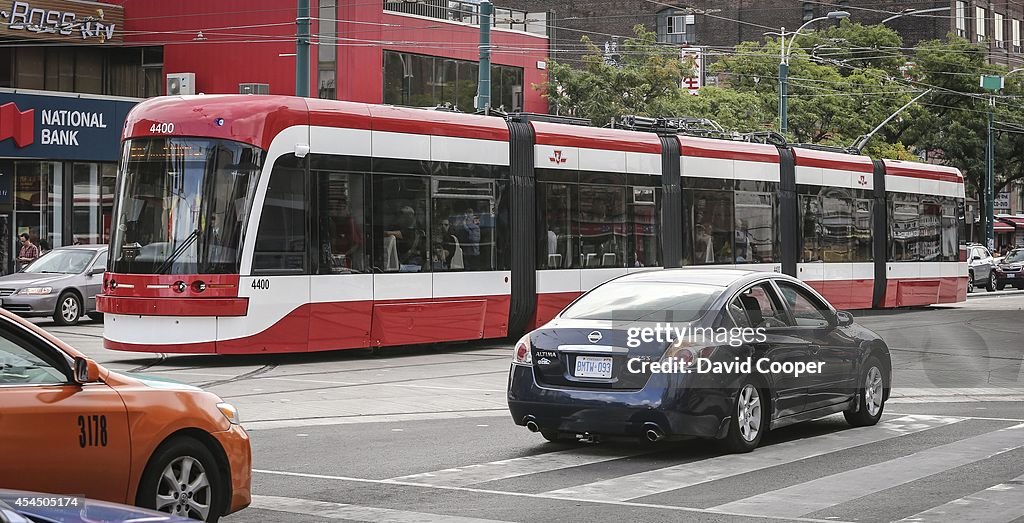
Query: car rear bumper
30,305
678,410
237,449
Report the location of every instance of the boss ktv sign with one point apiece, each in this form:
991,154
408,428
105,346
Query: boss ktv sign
61,128
69,21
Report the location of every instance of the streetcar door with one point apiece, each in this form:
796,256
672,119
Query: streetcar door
277,280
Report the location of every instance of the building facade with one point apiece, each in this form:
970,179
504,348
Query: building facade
716,23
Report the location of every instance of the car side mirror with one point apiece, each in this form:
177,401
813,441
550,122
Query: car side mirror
976,258
86,371
844,319
97,270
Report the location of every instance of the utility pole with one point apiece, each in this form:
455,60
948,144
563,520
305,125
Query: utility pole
483,93
302,49
994,84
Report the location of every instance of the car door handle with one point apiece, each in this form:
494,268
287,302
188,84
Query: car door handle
814,349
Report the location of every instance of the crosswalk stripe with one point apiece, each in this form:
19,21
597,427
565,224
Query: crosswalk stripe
675,477
515,467
996,504
323,509
812,496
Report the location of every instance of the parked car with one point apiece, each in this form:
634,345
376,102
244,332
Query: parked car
70,426
980,268
63,283
594,371
18,506
1008,271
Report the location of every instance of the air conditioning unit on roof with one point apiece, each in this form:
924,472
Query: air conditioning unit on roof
181,83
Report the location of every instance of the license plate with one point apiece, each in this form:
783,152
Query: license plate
1010,275
593,367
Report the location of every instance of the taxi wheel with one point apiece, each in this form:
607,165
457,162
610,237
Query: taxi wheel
749,420
69,309
870,395
182,478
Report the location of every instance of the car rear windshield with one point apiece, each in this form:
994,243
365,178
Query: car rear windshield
644,301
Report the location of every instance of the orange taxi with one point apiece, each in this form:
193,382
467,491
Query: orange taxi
70,426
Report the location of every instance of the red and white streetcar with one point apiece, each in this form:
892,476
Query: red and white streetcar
257,224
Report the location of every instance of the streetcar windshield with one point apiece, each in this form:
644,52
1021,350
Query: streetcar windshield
182,205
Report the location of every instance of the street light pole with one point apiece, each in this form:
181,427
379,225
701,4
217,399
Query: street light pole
784,52
483,93
993,84
302,50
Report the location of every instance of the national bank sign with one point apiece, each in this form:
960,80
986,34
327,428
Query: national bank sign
61,128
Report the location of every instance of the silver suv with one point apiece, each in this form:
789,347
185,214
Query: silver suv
980,268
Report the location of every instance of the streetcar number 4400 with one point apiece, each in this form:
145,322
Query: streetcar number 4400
162,128
261,284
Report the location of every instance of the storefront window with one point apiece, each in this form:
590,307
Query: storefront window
38,197
427,81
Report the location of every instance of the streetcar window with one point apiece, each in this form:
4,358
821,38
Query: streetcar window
835,231
558,202
281,238
712,222
644,231
950,241
904,215
863,223
400,240
930,230
810,227
602,226
464,225
341,197
755,227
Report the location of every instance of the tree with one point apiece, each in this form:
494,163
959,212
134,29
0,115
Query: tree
645,75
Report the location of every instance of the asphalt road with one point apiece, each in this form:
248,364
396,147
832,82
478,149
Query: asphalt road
423,434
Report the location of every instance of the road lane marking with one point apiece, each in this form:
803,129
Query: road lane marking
515,467
375,418
323,509
996,504
526,495
684,475
819,494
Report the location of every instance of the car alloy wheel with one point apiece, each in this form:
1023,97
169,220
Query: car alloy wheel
748,412
991,282
970,282
873,391
69,309
185,489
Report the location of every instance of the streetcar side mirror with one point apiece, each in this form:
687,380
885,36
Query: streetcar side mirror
86,371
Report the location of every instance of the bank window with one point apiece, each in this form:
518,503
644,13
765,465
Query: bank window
602,226
400,224
904,213
558,205
464,225
807,310
711,214
643,229
341,198
281,239
755,227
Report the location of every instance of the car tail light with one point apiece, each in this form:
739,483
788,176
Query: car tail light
522,354
687,352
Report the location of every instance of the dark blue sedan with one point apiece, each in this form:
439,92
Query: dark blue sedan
18,506
712,353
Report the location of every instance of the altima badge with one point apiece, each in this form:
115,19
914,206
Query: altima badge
594,337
